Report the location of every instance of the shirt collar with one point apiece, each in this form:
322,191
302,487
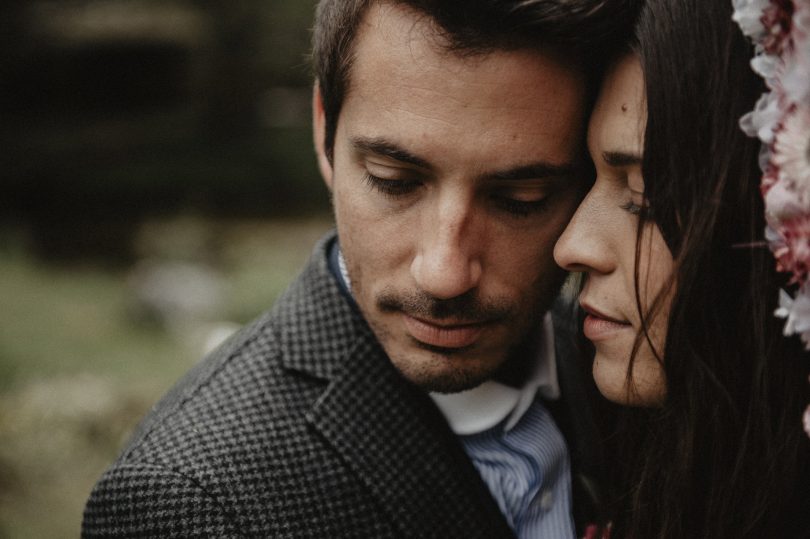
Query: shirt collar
484,406
487,405
344,273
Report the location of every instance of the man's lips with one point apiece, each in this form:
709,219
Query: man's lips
443,335
598,326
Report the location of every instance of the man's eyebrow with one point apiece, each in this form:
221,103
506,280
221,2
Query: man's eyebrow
387,149
536,171
621,159
539,170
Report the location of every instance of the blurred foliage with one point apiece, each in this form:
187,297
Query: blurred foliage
80,364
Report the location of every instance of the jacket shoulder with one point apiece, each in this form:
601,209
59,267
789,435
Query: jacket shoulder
142,500
249,374
233,436
251,351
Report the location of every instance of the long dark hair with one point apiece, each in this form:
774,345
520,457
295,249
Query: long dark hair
725,456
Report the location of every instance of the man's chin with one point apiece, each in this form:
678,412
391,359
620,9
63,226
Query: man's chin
445,378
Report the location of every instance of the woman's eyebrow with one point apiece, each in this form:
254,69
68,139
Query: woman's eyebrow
621,159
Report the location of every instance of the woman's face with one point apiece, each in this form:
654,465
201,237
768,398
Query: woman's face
601,242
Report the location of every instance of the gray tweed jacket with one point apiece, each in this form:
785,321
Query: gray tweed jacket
298,426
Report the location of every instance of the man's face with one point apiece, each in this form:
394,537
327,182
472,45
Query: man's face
452,177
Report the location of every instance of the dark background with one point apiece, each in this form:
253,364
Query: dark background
117,111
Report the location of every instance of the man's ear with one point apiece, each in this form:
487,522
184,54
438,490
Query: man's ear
319,134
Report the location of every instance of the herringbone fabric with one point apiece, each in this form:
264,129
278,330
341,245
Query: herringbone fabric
297,427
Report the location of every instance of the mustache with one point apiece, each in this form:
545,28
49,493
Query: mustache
466,307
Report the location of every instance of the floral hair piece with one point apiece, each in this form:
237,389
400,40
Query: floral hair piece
780,30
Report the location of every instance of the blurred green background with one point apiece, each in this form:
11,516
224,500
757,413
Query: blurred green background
158,190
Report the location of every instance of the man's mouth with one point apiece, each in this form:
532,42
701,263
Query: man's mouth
442,334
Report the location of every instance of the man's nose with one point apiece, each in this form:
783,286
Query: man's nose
448,260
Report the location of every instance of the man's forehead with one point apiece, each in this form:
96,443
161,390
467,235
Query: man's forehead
391,70
488,114
413,37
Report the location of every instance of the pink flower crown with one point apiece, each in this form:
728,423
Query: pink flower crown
780,30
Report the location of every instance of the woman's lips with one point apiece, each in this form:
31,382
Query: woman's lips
596,328
599,326
443,336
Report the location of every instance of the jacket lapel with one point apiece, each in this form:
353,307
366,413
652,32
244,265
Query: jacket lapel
398,444
388,432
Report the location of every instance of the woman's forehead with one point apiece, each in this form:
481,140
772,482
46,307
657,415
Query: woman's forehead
619,117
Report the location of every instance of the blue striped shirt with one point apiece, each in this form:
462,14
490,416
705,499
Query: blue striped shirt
516,447
528,473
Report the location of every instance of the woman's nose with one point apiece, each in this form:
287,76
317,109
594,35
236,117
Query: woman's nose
585,244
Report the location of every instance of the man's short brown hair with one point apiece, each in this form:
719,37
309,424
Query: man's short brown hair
586,32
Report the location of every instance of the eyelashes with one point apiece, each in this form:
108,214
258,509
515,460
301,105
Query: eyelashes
643,210
632,208
399,189
391,188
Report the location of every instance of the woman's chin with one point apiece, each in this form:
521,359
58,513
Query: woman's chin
647,387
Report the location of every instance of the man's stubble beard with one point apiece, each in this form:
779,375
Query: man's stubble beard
453,377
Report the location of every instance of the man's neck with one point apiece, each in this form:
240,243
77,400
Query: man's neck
521,363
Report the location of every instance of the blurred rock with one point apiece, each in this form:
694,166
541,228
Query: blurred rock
177,295
56,437
50,423
214,334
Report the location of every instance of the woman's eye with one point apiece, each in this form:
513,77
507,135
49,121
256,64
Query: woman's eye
632,208
637,203
392,188
638,209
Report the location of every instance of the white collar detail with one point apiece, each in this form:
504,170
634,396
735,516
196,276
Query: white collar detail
484,406
344,272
